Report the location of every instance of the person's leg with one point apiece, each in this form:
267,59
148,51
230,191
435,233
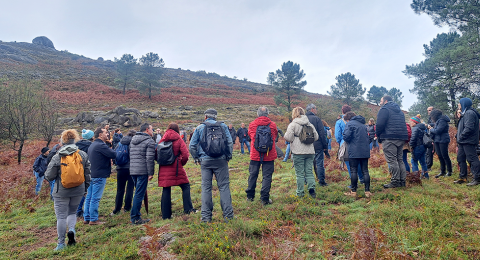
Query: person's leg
308,166
166,203
347,163
207,203
223,182
371,145
360,173
391,153
401,165
129,193
446,157
429,157
439,152
248,145
405,160
88,200
61,211
80,207
242,142
253,169
472,158
462,161
353,173
299,165
187,199
72,209
287,153
141,182
319,162
52,186
366,174
97,193
329,144
267,172
39,179
414,159
121,183
420,156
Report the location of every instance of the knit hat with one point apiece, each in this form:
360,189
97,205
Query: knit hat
416,119
211,111
45,149
87,134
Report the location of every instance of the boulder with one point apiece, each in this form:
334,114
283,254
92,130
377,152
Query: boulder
163,109
188,107
150,114
100,120
84,117
43,41
122,111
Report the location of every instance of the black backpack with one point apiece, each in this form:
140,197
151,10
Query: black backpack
165,154
214,140
306,135
427,141
263,140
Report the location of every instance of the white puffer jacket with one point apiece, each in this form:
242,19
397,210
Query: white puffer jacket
293,131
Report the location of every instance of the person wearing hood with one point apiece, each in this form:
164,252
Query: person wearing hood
66,200
302,153
321,145
467,141
356,136
175,174
430,150
142,168
101,156
416,144
117,136
39,168
441,139
124,179
391,131
83,145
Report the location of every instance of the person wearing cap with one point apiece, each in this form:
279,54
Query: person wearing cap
39,168
210,166
416,143
83,145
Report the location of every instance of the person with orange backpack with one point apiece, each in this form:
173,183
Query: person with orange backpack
70,168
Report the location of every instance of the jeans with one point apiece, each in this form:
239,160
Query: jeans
124,179
140,182
267,171
80,207
373,144
167,200
356,164
287,153
92,201
65,211
467,152
247,143
359,171
329,144
319,166
442,151
393,151
419,156
405,160
303,164
38,187
219,168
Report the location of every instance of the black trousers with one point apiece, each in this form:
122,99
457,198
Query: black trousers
467,152
442,151
167,200
267,172
363,162
124,179
429,157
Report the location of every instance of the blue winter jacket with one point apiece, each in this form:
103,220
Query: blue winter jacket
440,131
196,149
40,165
356,136
339,128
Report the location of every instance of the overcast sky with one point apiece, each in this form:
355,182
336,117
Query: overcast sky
373,39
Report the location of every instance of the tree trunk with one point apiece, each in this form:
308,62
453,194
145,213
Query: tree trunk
124,87
49,141
289,104
150,93
19,154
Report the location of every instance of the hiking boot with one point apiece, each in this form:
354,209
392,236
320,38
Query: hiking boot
264,203
312,193
59,247
323,184
368,194
250,199
440,175
96,222
141,221
460,181
426,176
114,213
351,194
449,174
86,222
403,184
473,183
391,185
71,238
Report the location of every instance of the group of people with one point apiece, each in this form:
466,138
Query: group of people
79,168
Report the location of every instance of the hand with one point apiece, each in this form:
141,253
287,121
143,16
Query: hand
150,177
197,161
375,138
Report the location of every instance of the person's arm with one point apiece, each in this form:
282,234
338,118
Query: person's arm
321,134
229,141
413,139
194,143
315,134
53,168
86,171
274,131
109,153
382,118
150,160
440,127
348,133
468,126
184,153
289,135
338,131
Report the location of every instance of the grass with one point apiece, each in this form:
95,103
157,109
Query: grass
438,220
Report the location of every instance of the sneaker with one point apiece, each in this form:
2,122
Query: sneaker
249,199
440,175
324,184
312,193
473,183
96,222
460,181
71,238
270,201
141,221
114,213
59,247
449,174
425,175
368,194
351,194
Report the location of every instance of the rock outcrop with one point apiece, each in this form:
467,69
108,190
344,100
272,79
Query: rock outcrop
44,41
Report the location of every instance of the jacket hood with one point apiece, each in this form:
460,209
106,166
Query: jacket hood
126,140
445,118
67,149
421,126
465,103
302,120
392,106
326,127
360,119
83,143
139,138
170,136
263,120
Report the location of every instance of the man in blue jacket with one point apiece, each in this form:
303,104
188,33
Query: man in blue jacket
39,168
210,166
100,156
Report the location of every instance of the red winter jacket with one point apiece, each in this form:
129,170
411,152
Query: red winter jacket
167,175
252,129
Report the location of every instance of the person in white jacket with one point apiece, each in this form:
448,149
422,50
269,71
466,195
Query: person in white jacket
302,153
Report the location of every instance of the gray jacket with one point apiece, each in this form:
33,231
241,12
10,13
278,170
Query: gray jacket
293,131
142,155
54,173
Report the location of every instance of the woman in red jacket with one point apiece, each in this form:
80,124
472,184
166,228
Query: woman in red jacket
175,175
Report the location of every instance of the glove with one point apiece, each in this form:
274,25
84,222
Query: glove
197,161
229,157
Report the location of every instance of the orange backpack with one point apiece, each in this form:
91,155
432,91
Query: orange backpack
72,170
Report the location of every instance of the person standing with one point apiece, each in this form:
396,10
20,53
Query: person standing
371,134
84,144
321,145
242,134
406,148
441,139
213,158
262,125
430,149
233,133
142,168
303,152
416,143
157,136
328,132
39,168
467,140
391,131
100,156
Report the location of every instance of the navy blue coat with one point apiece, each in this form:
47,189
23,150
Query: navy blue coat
84,145
440,131
40,165
100,156
356,136
391,123
417,135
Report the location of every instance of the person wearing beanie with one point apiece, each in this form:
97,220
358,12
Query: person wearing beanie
83,145
416,143
39,168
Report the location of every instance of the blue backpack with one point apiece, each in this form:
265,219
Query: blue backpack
122,154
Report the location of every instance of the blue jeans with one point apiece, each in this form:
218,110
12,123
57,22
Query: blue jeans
405,160
244,141
94,194
140,182
38,187
419,153
80,207
359,171
373,144
287,153
329,144
319,166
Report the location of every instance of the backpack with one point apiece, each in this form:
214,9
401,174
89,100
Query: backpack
214,140
306,135
165,154
427,141
263,140
122,154
72,172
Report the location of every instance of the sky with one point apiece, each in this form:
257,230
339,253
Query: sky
372,39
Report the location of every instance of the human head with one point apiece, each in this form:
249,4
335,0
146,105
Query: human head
311,108
243,125
435,114
415,120
230,126
297,112
429,110
211,113
349,115
371,121
132,132
147,128
385,99
262,111
87,134
45,150
174,127
107,126
158,130
465,103
346,109
70,136
100,133
117,130
459,112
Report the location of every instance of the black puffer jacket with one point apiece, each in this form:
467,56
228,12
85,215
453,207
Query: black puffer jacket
321,144
142,155
391,123
417,135
126,141
440,131
371,132
468,127
356,136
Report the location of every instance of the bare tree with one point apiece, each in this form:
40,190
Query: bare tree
47,118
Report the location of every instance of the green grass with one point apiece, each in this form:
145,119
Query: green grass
438,220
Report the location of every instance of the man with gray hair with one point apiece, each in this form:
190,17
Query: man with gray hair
262,132
211,146
321,145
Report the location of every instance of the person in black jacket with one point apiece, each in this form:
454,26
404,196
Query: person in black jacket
320,145
371,134
416,143
243,138
39,168
233,133
430,150
356,136
83,145
441,139
467,141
